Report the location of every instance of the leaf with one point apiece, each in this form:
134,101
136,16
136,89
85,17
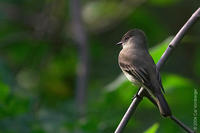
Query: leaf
171,81
116,83
152,129
4,91
157,51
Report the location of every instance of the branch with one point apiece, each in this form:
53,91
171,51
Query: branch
187,129
181,124
80,38
165,56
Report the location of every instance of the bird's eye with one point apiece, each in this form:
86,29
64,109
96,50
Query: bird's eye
126,38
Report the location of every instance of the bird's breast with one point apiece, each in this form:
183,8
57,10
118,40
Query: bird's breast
130,78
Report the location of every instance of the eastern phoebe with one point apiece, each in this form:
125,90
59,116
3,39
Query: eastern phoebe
138,66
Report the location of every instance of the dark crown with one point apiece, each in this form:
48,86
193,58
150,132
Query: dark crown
133,32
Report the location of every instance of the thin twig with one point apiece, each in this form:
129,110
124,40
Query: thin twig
161,62
130,111
181,124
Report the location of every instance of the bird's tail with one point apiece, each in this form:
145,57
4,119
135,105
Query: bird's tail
162,105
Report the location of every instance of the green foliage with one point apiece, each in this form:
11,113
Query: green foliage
152,129
156,52
38,66
147,21
173,84
4,91
163,2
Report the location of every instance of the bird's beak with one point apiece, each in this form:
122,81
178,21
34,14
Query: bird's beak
119,43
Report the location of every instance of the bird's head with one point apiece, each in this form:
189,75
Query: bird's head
134,38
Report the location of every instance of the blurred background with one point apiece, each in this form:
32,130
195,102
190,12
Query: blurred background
59,71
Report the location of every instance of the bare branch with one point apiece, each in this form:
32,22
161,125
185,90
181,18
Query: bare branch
181,124
161,62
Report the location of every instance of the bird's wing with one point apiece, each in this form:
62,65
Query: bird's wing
140,74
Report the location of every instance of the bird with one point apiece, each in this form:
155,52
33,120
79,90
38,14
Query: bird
139,67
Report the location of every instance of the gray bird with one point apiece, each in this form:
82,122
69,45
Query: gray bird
139,68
